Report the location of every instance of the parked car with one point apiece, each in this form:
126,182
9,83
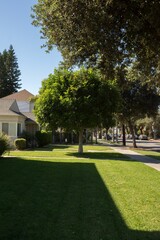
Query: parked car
108,137
129,136
143,137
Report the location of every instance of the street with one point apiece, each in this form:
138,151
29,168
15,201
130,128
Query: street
146,144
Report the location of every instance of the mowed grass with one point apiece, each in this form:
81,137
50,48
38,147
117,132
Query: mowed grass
100,195
67,152
148,153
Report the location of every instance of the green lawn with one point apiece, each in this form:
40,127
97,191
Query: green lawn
67,152
152,154
100,195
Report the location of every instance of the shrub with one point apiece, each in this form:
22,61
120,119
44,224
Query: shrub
30,139
20,143
43,138
4,143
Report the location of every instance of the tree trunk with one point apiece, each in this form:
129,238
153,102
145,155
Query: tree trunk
116,134
106,133
155,134
96,137
86,135
112,134
72,138
92,137
53,136
154,130
132,133
124,135
100,133
80,148
141,130
60,136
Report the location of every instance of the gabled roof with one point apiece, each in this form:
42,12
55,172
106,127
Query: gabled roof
29,116
9,107
22,95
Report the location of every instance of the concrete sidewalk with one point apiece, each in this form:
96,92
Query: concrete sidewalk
151,162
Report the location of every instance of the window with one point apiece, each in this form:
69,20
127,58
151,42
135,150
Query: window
5,128
18,129
12,129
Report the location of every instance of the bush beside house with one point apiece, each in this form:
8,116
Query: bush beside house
43,138
20,143
4,143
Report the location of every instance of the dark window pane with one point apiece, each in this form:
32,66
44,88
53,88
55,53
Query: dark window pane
5,128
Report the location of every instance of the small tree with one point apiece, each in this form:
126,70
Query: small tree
75,100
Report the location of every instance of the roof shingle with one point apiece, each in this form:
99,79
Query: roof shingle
22,95
8,107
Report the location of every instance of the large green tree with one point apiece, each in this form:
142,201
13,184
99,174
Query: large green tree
9,72
104,33
76,100
107,34
3,77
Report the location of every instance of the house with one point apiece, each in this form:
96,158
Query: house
16,114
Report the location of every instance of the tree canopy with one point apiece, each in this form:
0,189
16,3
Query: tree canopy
104,33
9,72
76,100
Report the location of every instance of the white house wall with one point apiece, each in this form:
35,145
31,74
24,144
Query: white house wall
12,121
31,105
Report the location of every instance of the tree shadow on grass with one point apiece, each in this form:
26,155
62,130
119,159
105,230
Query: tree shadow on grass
50,147
60,201
99,155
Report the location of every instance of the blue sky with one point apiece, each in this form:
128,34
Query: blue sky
16,29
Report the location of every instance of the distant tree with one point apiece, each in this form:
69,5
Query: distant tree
139,99
76,101
146,126
9,72
149,126
3,77
13,70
